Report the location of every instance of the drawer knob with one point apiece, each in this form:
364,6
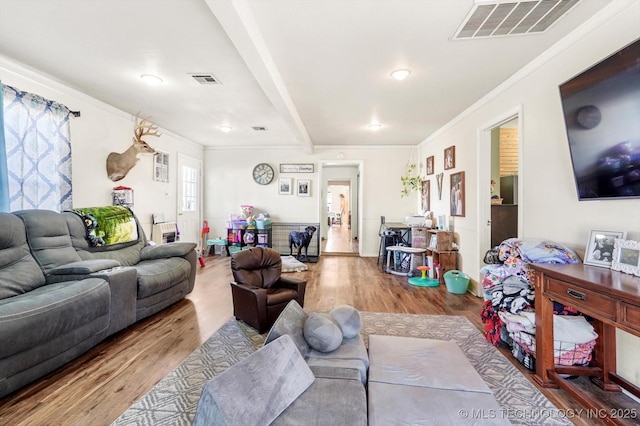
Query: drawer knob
576,294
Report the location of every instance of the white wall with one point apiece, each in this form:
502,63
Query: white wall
550,204
228,184
100,130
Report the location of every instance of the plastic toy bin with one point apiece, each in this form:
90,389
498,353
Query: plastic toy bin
457,282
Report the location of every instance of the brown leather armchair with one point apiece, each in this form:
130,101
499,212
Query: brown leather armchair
259,291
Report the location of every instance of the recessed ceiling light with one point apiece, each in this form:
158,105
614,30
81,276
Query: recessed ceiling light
225,129
375,126
151,80
401,74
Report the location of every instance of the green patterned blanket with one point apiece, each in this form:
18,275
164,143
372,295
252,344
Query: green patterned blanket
108,225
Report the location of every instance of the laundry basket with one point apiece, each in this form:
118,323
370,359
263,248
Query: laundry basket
456,281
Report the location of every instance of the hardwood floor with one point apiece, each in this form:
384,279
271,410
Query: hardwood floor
339,242
97,387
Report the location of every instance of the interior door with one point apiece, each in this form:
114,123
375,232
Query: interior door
189,199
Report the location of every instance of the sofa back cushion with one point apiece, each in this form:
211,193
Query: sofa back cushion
127,254
48,237
19,271
257,266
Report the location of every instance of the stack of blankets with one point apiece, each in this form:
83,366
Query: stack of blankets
508,312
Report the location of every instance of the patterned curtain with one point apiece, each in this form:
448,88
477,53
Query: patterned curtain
4,181
38,151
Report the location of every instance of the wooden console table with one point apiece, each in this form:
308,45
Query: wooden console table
612,299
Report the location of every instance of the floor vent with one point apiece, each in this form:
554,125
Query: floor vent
490,18
205,79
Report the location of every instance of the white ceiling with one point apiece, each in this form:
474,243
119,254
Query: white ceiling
313,72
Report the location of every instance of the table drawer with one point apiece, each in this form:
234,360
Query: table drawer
583,300
630,317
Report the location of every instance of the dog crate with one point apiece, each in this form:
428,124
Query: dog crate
280,239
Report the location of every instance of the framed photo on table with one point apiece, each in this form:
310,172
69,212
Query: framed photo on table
626,257
599,251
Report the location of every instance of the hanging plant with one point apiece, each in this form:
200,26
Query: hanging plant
410,181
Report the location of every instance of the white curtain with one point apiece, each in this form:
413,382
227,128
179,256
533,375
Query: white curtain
38,151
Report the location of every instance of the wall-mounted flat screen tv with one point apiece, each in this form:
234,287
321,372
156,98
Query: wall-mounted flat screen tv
602,116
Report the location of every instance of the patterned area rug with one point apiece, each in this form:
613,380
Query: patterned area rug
173,401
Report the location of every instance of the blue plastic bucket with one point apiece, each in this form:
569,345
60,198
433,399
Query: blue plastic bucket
457,282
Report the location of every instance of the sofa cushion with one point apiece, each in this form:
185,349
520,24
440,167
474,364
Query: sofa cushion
257,266
328,401
48,237
257,389
412,361
391,404
50,311
291,321
19,271
322,332
155,276
348,319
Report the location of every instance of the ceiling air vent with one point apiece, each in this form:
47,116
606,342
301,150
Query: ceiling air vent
259,128
491,18
205,79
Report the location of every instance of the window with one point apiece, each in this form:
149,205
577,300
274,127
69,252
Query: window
189,188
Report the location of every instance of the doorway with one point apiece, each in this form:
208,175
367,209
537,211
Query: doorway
339,209
500,164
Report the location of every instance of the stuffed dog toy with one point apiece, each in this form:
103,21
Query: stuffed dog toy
301,240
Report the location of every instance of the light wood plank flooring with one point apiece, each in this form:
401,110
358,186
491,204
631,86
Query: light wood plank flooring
339,241
97,387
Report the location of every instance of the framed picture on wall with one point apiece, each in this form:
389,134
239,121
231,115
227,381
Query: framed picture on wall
304,188
426,196
284,186
457,194
430,170
450,157
161,167
599,251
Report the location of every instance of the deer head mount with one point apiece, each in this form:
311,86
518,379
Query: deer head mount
118,165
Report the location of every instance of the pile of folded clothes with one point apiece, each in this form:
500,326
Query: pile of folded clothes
508,310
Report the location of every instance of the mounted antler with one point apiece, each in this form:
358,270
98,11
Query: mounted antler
118,165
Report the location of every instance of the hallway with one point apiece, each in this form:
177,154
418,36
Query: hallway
339,241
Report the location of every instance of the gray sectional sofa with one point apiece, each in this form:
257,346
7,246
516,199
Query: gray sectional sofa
60,296
397,381
288,382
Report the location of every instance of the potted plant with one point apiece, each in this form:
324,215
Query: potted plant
410,181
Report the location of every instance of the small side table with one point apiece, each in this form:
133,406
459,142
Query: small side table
407,251
224,246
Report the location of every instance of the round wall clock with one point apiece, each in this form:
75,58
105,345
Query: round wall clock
263,174
588,116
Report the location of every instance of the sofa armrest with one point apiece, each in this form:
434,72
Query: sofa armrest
123,283
84,267
295,284
163,251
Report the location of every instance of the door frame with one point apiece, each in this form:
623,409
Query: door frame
484,176
355,195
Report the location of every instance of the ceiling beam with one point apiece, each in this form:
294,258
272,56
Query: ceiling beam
238,22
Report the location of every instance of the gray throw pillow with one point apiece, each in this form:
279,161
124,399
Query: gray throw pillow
348,319
322,333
